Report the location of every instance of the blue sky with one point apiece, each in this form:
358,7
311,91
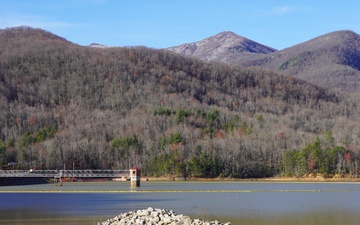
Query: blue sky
164,23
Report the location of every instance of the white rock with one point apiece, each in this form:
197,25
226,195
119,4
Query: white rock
152,216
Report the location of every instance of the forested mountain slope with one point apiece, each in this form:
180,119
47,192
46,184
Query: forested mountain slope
331,61
116,108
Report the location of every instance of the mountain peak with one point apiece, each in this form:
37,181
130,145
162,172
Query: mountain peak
330,40
341,33
224,46
227,34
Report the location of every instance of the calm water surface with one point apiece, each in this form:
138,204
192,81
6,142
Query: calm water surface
236,202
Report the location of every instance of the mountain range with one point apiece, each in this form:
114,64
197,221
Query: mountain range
170,115
331,61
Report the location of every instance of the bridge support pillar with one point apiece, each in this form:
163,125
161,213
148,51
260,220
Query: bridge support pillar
135,175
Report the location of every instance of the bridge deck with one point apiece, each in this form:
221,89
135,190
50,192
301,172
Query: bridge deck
65,173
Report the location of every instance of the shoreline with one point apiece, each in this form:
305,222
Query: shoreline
267,179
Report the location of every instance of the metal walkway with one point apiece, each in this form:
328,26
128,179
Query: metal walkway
66,173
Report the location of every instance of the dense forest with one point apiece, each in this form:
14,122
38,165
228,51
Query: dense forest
115,108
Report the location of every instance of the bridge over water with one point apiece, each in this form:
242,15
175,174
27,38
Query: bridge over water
66,173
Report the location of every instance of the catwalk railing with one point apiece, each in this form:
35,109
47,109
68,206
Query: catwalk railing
65,173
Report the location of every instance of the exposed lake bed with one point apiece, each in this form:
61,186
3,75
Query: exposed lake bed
235,202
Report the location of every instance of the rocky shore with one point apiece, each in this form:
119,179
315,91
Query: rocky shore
152,216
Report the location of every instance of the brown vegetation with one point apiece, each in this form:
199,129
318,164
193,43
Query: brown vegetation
331,61
116,108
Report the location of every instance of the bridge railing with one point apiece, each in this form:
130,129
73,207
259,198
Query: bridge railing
65,173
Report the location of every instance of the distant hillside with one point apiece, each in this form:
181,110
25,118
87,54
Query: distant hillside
96,45
114,108
331,61
224,47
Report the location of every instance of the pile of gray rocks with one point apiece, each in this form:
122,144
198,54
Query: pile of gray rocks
152,216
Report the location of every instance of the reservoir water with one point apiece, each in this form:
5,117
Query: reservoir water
251,203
